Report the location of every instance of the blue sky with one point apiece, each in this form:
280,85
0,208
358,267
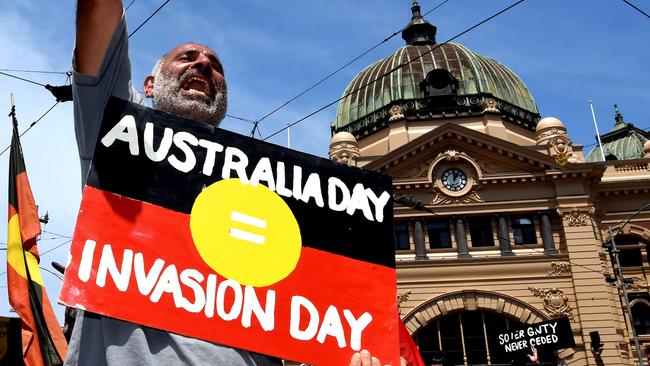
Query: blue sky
567,53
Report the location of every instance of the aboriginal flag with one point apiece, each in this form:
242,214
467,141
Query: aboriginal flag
314,239
42,339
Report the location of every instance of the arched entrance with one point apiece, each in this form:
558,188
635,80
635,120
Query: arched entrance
464,326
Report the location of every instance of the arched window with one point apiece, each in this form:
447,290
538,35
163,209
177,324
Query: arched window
472,335
641,316
629,250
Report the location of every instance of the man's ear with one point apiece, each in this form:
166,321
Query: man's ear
147,86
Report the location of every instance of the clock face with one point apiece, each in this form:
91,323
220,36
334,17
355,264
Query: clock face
454,179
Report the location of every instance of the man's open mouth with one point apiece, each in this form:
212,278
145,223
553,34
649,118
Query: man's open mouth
198,83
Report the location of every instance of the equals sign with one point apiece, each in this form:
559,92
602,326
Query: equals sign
248,220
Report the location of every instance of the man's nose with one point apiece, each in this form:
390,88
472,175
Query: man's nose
203,63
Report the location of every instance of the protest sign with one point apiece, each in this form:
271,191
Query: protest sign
203,232
549,335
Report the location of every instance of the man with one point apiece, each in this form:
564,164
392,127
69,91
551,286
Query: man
188,82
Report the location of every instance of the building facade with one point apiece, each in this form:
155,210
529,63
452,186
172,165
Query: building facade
500,219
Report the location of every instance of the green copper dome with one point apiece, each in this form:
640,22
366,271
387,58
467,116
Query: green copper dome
375,88
623,142
475,74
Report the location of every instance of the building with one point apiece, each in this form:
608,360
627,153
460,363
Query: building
500,220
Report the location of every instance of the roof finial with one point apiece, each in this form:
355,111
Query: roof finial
415,10
617,115
418,31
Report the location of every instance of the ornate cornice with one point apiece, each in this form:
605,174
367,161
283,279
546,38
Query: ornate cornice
556,303
577,216
439,107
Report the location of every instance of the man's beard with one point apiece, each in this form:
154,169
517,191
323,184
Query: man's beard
168,97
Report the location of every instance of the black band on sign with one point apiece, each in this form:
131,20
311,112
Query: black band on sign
166,160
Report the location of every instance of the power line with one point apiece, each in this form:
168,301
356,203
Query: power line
45,252
342,67
52,273
35,71
240,119
23,79
60,235
396,68
636,8
150,16
128,6
56,247
32,125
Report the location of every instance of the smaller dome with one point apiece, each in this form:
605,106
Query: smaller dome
646,148
343,137
623,142
549,122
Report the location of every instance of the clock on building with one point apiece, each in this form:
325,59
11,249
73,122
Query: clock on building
454,179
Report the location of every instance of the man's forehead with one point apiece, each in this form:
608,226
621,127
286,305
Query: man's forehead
191,46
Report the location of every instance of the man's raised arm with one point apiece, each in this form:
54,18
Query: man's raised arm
96,23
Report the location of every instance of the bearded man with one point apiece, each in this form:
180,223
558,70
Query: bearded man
188,82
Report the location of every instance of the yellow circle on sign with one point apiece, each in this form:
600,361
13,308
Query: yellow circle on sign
245,233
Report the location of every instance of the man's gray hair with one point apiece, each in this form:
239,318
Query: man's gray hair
155,72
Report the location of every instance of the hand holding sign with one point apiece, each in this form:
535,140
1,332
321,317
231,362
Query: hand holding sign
364,358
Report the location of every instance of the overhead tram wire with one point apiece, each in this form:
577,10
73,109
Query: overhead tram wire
36,71
23,79
128,6
343,67
149,18
47,251
32,125
436,46
636,8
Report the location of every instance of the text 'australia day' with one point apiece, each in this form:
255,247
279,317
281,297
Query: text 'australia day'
337,196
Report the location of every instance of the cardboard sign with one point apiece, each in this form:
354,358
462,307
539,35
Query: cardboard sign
206,233
549,335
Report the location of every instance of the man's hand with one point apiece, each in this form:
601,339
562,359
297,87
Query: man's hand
364,358
533,356
96,23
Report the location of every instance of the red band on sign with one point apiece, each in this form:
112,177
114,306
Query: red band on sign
121,268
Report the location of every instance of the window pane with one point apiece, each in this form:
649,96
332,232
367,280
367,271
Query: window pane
474,338
480,231
523,230
629,251
401,230
439,234
641,315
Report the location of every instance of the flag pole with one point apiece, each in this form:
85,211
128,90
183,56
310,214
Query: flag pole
600,144
12,114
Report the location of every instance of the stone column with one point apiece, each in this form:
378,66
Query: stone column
461,239
593,295
504,238
418,236
547,235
